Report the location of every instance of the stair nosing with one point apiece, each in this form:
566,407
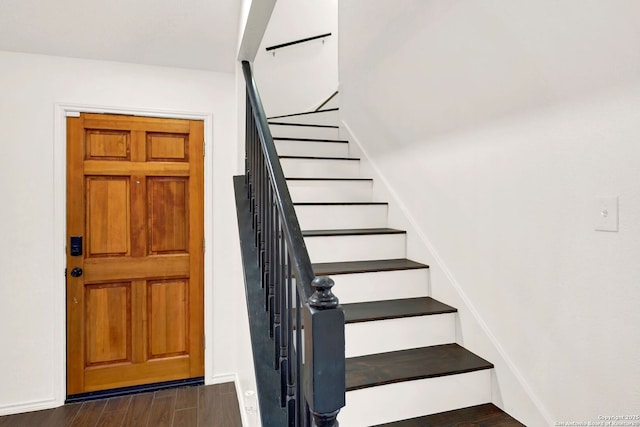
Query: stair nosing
304,125
326,179
338,203
351,232
319,158
325,140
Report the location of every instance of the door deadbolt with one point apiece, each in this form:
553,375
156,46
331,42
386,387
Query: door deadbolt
76,272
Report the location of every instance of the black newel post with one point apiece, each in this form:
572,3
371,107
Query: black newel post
324,354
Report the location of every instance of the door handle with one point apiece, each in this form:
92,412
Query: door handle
76,272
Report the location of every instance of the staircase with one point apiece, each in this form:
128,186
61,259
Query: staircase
403,367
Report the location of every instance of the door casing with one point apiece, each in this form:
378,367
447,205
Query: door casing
62,110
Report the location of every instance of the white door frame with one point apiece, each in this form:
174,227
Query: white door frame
62,110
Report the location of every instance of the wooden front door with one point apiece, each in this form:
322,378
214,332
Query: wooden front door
135,243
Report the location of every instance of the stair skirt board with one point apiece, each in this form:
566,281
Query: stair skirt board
371,406
398,334
304,167
279,130
356,248
311,148
330,191
335,216
380,286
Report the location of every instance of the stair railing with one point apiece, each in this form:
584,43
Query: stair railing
307,39
306,321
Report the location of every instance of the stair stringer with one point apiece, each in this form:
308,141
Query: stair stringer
510,391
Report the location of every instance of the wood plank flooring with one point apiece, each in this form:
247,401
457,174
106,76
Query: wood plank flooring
212,406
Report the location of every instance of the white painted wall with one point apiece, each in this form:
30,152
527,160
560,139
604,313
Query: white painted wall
496,124
32,226
300,77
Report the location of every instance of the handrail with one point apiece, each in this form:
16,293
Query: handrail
290,223
308,39
314,390
326,101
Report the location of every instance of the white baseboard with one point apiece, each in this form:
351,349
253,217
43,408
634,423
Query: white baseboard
34,405
223,378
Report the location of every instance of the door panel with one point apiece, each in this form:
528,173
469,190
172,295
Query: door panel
108,323
108,225
168,324
135,195
168,215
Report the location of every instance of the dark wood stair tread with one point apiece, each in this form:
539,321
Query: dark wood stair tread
413,364
351,232
286,138
310,125
327,179
353,159
352,267
394,309
303,114
486,415
337,203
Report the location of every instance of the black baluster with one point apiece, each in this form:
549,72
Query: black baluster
300,419
275,256
262,210
290,380
271,258
281,360
247,149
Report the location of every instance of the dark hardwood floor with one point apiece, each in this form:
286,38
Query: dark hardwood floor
211,406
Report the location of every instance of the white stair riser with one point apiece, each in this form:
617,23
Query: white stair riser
393,402
311,148
333,217
321,118
330,191
380,286
356,248
304,132
320,168
399,334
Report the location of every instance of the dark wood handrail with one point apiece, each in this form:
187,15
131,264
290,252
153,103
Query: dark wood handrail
316,389
308,39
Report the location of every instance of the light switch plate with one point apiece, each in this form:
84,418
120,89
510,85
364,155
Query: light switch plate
606,213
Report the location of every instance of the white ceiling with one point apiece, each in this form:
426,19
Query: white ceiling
200,34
